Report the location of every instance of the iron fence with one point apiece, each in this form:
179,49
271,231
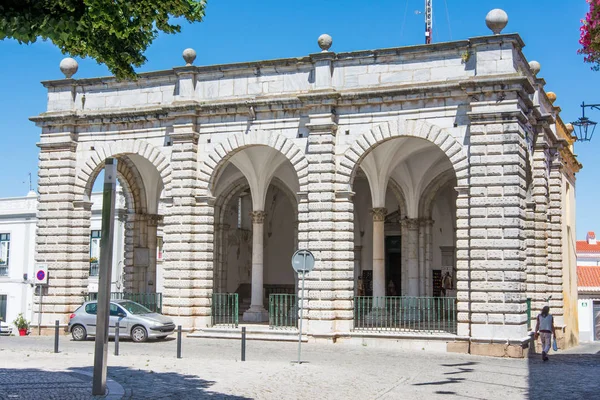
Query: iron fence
152,301
283,311
224,309
400,313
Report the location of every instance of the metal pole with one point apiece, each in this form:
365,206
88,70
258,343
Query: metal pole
56,336
40,310
301,308
243,343
178,341
106,256
117,328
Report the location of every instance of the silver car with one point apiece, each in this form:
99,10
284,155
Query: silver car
135,321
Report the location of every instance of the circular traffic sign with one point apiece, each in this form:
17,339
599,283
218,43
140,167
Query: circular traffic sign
41,274
303,261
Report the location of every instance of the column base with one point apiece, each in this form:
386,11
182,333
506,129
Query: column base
256,314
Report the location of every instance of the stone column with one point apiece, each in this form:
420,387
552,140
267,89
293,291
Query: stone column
326,226
257,312
63,227
379,251
189,235
404,255
421,253
537,285
412,245
555,251
497,200
428,257
463,264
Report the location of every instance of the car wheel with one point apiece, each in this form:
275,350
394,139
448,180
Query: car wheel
79,333
139,334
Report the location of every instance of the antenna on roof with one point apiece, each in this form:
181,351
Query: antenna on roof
428,21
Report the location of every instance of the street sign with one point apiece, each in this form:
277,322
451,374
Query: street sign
303,261
41,274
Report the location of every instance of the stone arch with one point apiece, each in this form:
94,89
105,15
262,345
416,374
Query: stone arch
430,192
399,195
223,151
95,163
350,161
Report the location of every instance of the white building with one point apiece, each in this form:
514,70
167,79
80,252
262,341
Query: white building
17,258
588,287
393,166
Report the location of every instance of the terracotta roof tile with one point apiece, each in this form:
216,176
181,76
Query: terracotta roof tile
588,276
584,247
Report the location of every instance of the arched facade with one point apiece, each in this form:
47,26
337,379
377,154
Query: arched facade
386,170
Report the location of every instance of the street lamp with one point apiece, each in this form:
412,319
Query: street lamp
585,127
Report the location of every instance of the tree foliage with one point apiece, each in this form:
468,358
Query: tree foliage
113,32
590,35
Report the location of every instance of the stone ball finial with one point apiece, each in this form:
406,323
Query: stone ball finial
496,20
551,96
189,55
569,128
68,66
325,42
535,67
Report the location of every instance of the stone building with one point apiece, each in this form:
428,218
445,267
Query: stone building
18,223
413,174
588,287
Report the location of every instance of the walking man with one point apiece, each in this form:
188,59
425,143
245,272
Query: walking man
545,329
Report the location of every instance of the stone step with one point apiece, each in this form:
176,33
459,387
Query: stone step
253,332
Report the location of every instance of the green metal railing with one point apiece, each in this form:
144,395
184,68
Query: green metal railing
152,301
410,314
283,311
225,309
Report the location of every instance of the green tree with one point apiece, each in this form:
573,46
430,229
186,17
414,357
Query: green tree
113,32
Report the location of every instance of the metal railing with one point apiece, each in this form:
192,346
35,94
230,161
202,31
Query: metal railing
152,301
405,314
94,269
283,311
224,309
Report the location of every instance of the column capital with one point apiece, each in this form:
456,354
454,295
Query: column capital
410,223
379,213
258,217
426,221
463,191
153,219
82,204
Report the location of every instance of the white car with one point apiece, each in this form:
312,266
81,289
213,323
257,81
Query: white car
5,329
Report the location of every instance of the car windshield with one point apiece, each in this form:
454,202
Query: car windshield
134,308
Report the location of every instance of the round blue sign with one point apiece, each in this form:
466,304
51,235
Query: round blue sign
40,275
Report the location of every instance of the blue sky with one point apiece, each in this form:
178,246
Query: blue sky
236,30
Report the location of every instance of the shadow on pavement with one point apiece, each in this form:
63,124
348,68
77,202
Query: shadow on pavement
76,383
566,375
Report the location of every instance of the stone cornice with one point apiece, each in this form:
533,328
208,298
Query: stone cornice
387,94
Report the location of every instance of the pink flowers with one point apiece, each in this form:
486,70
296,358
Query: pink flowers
589,37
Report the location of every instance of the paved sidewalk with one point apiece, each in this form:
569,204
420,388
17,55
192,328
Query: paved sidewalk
211,369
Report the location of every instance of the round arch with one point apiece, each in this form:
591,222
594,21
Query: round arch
223,151
95,163
430,192
383,132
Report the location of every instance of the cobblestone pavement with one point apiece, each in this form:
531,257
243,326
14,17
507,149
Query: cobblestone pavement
211,369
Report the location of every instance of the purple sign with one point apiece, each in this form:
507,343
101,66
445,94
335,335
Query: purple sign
40,275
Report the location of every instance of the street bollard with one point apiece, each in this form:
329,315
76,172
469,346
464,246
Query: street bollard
117,338
178,341
56,336
243,343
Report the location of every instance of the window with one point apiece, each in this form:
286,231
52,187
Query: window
95,252
159,248
115,310
4,253
3,307
91,308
